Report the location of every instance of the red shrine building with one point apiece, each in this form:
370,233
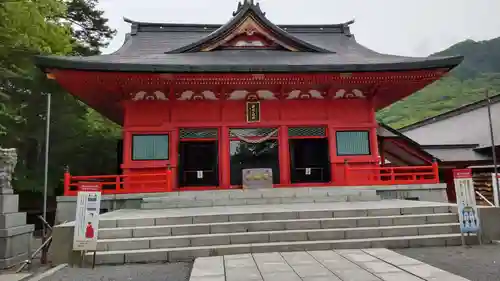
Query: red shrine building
203,102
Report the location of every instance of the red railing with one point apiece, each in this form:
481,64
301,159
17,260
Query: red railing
120,184
391,175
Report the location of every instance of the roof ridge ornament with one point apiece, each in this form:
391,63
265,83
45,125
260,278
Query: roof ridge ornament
248,4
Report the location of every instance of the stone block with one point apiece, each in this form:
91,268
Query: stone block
9,203
325,235
245,217
317,192
126,245
228,228
409,220
315,214
210,219
351,245
399,231
12,220
146,256
297,200
245,194
135,222
191,229
171,242
107,258
282,275
18,230
210,240
211,195
173,220
266,226
267,267
350,213
442,218
279,193
188,254
115,233
368,222
417,210
311,270
195,204
248,238
428,242
392,244
15,245
243,274
229,202
286,236
208,278
281,216
338,223
231,250
363,233
437,229
106,223
384,212
151,231
441,210
156,205
262,201
303,224
340,198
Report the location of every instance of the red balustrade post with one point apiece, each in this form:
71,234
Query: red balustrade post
346,172
393,176
169,179
67,182
117,183
435,170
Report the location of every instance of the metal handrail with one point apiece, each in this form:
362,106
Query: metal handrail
484,198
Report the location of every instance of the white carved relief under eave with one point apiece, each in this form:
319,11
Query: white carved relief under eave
246,95
353,94
190,95
143,95
312,94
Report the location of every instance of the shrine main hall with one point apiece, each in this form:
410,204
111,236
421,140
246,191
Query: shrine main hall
201,103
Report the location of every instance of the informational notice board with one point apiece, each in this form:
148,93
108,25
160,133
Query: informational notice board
466,201
87,218
257,178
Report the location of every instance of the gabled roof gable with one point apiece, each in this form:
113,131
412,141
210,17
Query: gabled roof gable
249,21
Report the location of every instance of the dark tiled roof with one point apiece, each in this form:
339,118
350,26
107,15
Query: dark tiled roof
158,47
448,114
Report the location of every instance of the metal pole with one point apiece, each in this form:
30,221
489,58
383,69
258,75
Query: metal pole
492,136
45,180
46,172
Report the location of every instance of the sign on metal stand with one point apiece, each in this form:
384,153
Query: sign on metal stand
466,203
87,220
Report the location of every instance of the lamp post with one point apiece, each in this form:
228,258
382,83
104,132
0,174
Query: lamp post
492,136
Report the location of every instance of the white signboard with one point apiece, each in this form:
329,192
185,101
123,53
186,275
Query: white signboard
87,221
495,189
466,201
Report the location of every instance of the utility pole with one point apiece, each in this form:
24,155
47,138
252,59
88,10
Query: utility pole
492,136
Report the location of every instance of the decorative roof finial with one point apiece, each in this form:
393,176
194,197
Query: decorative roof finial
247,4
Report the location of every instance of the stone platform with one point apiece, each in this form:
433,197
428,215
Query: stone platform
182,234
338,265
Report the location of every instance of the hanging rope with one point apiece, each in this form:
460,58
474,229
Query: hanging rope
254,140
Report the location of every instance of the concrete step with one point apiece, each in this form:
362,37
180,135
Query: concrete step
274,225
274,236
307,211
189,253
258,197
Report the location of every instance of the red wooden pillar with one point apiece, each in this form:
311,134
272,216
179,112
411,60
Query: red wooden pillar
174,157
332,148
284,155
224,156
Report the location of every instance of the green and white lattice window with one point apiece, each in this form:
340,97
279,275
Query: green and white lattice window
150,147
296,132
198,133
353,143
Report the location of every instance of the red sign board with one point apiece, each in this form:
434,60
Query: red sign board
462,173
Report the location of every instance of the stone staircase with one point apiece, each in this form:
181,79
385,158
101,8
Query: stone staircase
238,197
138,236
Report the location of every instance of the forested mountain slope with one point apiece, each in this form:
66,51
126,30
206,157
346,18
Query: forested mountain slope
479,72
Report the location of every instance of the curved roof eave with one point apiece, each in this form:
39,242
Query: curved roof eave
47,62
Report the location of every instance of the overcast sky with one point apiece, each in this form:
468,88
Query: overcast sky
400,27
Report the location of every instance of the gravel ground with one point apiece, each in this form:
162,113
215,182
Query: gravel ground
143,272
477,263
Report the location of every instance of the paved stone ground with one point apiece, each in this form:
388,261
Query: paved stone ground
337,265
477,263
146,272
